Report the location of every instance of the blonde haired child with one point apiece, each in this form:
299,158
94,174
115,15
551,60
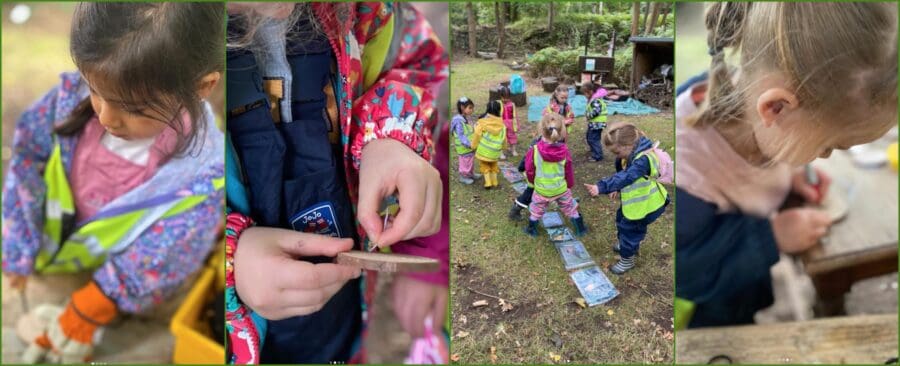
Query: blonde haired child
559,104
549,167
811,78
643,198
489,141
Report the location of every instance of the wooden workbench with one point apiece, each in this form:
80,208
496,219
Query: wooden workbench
865,339
864,244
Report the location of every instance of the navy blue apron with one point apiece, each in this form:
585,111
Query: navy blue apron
295,179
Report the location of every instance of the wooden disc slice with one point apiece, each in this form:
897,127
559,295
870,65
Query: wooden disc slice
388,262
29,327
835,204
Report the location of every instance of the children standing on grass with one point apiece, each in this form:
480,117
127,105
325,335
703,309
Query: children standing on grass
463,132
559,104
510,121
489,140
549,166
595,114
643,198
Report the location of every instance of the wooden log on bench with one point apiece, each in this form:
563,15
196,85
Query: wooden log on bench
865,339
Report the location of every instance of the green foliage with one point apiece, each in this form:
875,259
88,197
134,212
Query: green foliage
622,68
551,61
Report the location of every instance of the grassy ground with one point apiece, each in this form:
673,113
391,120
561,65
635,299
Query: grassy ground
492,256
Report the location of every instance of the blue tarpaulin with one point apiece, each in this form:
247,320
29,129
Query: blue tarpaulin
630,107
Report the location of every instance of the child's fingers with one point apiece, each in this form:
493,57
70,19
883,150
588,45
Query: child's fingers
430,220
370,198
305,244
299,275
412,198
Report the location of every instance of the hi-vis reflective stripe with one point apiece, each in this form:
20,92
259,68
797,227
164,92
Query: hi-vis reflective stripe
643,197
636,186
60,206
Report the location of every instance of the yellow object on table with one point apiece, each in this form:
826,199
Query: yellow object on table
892,155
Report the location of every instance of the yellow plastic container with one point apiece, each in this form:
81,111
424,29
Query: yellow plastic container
892,155
193,344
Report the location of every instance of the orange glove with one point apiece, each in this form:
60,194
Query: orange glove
70,338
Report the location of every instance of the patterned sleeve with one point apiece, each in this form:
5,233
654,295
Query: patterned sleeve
158,261
24,190
593,110
400,103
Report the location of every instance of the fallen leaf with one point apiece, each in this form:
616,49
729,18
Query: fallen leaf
462,334
480,303
463,319
637,321
580,301
518,345
493,354
505,306
610,312
668,336
484,316
555,357
454,357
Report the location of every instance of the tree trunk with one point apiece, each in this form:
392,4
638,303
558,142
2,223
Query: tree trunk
550,21
635,17
473,27
665,14
507,12
643,24
599,8
499,13
653,15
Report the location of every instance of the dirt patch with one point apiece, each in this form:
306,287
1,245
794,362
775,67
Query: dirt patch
471,282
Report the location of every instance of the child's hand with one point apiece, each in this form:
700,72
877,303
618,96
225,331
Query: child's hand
613,195
799,229
277,286
809,192
592,189
16,281
414,300
388,166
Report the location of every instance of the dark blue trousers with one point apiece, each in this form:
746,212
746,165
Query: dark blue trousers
631,233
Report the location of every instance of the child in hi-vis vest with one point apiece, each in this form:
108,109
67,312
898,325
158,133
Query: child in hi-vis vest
463,141
489,141
118,169
595,114
643,198
559,104
510,120
548,166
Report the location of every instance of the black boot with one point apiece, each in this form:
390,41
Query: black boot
580,229
532,228
515,212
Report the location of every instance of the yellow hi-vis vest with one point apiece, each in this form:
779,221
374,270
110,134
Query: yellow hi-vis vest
490,145
69,249
600,118
645,195
460,148
549,177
